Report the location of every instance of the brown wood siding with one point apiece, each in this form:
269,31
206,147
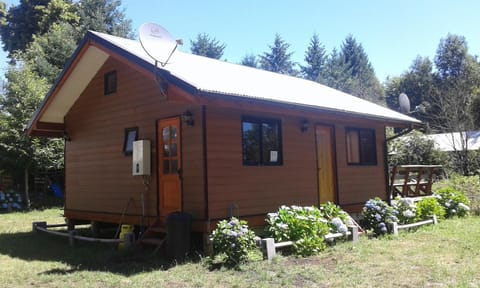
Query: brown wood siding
257,189
98,174
358,183
262,189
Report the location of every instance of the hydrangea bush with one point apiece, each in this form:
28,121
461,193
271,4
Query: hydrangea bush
404,209
453,201
336,217
377,214
305,226
233,240
10,200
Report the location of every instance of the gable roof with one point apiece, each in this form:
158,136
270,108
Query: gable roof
198,75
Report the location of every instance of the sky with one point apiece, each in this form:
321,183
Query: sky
392,32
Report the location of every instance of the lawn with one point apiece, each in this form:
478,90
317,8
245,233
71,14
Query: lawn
446,255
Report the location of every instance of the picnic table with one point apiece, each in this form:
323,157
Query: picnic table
413,180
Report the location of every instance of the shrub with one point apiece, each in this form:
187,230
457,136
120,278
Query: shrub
336,217
427,207
405,210
233,240
305,226
468,185
377,214
453,201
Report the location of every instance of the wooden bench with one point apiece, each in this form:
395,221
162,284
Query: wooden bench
413,180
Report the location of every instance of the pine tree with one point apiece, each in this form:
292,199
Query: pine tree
278,59
205,46
315,59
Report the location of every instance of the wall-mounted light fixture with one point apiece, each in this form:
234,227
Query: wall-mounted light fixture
304,126
187,118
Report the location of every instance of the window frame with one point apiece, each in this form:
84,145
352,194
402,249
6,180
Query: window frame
128,141
261,121
363,160
110,82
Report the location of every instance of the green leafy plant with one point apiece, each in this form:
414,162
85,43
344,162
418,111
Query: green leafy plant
337,218
232,241
305,226
404,209
427,207
453,201
377,214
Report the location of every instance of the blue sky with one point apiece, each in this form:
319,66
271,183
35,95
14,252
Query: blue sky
392,32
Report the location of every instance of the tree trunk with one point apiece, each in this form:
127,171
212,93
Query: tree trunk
27,195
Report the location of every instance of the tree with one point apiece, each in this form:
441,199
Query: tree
18,152
278,59
205,46
418,84
458,82
350,71
48,53
20,23
249,60
104,16
315,58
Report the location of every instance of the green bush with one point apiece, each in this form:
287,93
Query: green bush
336,217
376,215
468,185
232,240
305,226
427,207
453,201
404,209
414,148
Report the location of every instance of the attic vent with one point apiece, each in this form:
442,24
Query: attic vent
110,83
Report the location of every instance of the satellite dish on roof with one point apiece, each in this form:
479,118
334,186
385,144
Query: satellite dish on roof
157,42
404,103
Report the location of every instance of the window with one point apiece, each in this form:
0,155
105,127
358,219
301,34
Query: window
110,83
361,148
130,136
261,141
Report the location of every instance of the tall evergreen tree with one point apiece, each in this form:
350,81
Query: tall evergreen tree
205,46
278,59
20,23
315,58
351,71
105,16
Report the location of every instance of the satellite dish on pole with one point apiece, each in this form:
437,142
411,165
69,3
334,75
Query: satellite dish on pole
157,42
404,103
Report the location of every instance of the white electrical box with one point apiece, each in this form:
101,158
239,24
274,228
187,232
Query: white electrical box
141,157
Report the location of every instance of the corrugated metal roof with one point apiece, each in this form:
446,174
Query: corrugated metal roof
453,141
215,76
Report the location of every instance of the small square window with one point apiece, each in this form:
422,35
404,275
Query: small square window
131,135
110,83
361,146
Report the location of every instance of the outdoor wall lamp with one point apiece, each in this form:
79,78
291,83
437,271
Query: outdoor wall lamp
304,126
187,118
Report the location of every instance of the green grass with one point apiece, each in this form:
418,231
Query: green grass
446,255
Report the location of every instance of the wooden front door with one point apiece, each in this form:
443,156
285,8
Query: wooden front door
169,166
325,163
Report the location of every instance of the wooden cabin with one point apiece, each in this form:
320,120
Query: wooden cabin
225,139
